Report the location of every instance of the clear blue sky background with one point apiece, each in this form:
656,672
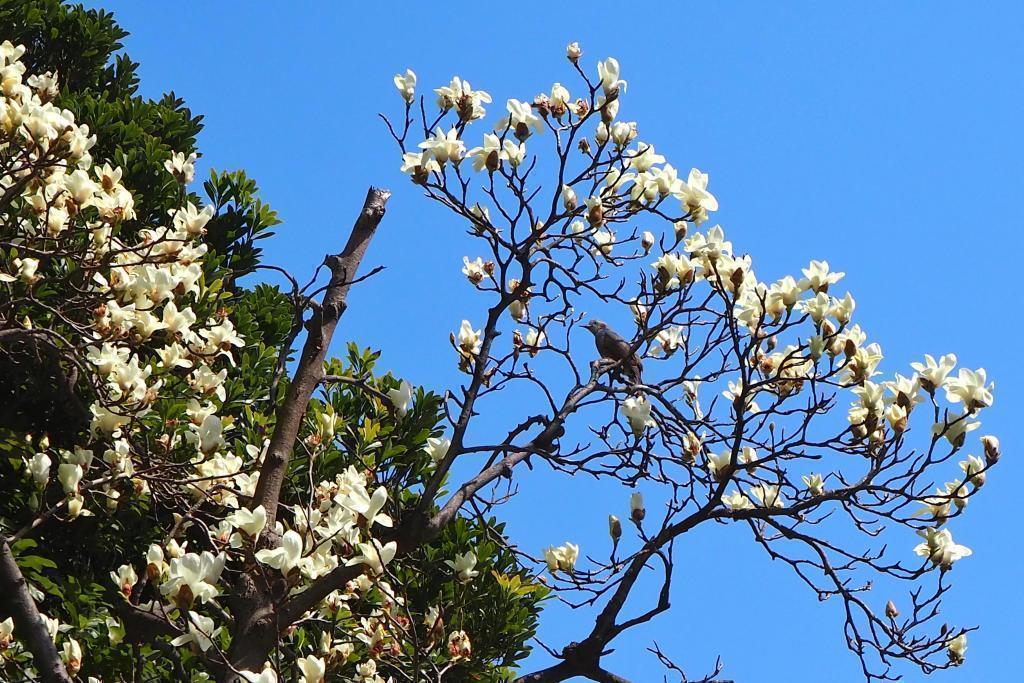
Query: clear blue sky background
884,137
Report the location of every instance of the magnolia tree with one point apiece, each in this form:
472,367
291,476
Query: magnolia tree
267,514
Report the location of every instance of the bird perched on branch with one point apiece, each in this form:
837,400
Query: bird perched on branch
612,346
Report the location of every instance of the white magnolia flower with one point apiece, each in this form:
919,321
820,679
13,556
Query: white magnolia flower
444,147
767,495
367,506
814,483
933,374
694,196
969,387
818,277
637,511
286,556
71,655
475,271
406,85
125,579
638,413
461,97
181,167
520,120
668,341
374,555
312,668
569,200
940,548
200,631
39,468
401,398
608,72
69,476
489,155
268,675
437,447
193,576
463,565
563,558
251,522
469,339
737,501
955,649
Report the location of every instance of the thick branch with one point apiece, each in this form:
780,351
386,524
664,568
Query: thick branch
28,625
309,372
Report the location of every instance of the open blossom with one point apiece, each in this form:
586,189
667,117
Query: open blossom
668,341
193,576
181,167
444,147
475,271
463,565
638,413
200,631
401,398
955,649
286,556
974,470
520,120
367,506
374,555
461,97
490,155
644,157
312,667
767,495
818,277
737,501
250,522
419,164
469,339
125,579
694,196
940,548
969,387
406,85
933,373
814,483
459,647
437,448
563,558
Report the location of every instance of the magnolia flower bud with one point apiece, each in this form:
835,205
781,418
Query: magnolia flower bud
890,610
568,198
614,528
573,52
647,241
992,452
636,507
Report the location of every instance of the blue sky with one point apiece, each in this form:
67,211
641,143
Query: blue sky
883,137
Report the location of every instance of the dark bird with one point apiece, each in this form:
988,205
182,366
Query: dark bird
612,346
